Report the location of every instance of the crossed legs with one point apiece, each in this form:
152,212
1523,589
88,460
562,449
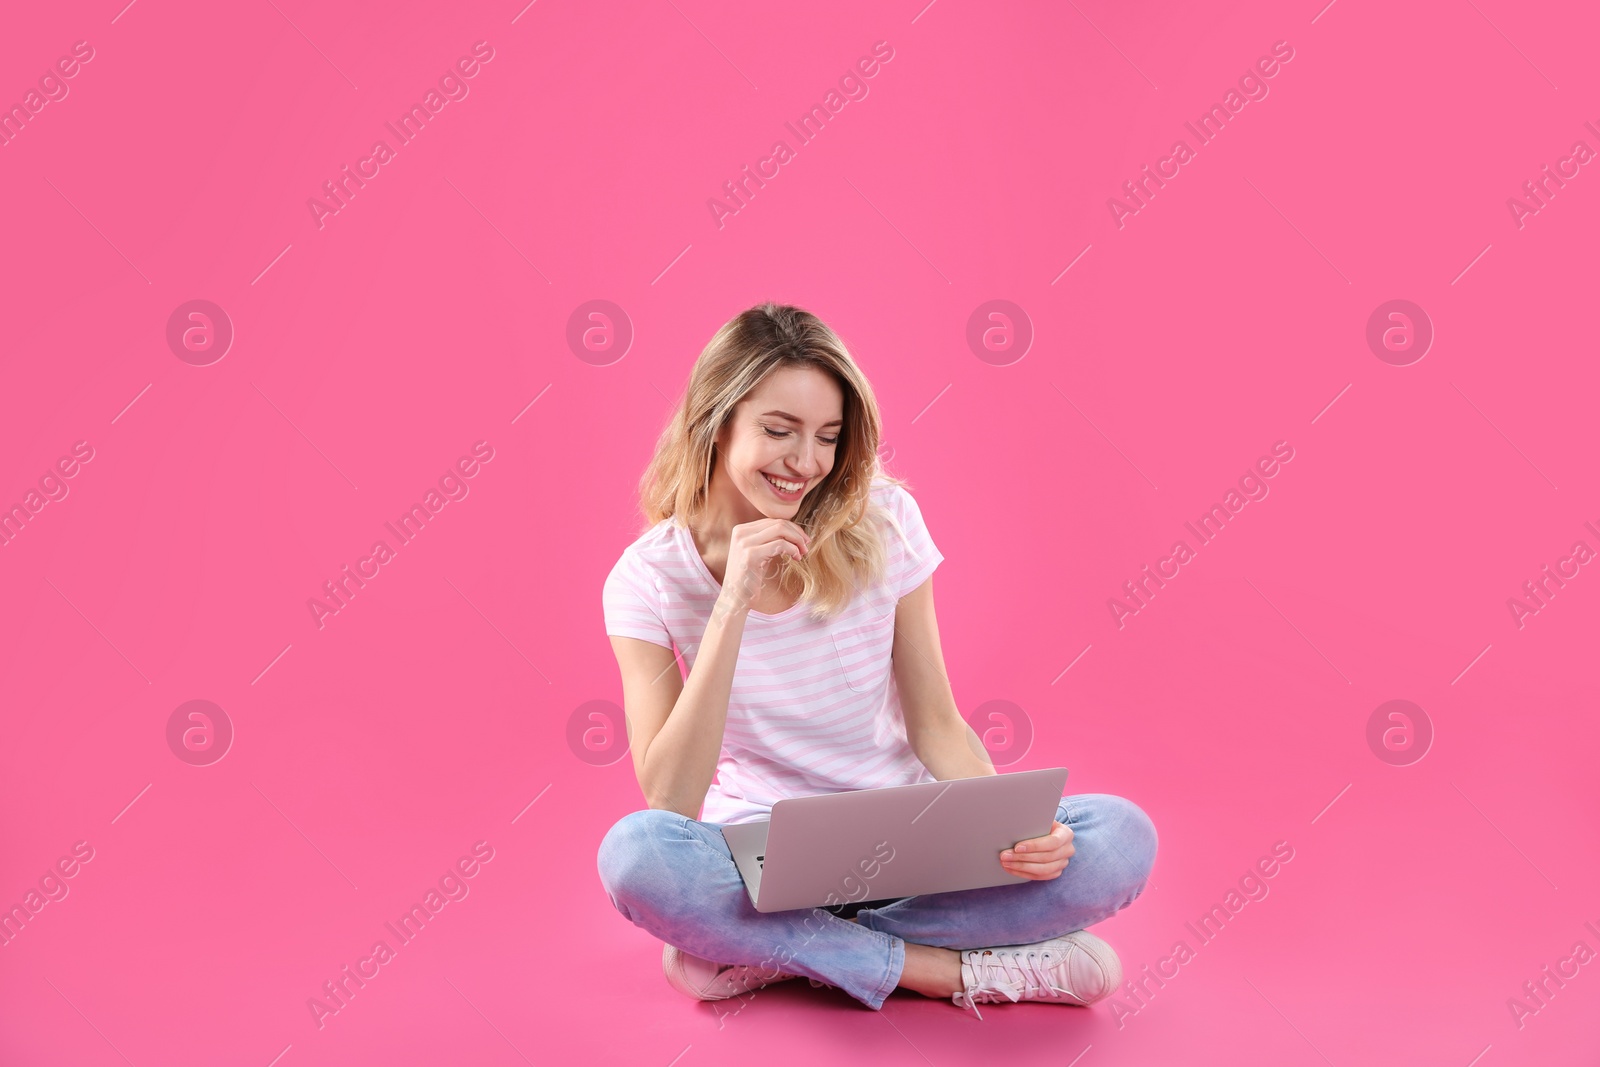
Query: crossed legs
674,877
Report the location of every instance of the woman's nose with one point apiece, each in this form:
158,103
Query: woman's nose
804,459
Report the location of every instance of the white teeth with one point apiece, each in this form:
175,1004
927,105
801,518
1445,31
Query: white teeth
787,487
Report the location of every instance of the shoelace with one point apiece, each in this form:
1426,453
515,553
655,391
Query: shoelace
1011,974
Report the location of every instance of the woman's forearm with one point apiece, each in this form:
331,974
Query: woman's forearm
949,749
681,760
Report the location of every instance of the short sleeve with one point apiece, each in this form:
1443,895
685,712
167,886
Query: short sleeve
632,603
914,556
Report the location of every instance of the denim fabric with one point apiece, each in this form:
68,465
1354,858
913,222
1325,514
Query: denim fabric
674,877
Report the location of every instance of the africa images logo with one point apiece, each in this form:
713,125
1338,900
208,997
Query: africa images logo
453,886
852,86
1253,485
1253,86
452,87
340,591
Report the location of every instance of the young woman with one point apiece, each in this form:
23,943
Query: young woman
794,577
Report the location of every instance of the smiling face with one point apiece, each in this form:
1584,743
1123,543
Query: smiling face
779,445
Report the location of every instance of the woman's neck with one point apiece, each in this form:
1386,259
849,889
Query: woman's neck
725,508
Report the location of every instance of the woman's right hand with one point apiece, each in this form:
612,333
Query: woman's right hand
755,557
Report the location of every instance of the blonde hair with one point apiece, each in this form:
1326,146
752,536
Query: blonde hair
845,525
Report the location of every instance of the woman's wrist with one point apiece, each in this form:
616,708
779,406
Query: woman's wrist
953,751
729,605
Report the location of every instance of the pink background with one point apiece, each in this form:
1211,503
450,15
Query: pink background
426,315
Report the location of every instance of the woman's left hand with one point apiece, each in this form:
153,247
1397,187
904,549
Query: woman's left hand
1040,858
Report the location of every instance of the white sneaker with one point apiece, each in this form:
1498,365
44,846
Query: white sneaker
704,980
1076,968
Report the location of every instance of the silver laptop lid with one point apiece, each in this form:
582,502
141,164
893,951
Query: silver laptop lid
874,844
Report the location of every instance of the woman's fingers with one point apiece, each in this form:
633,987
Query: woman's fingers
797,536
1040,857
793,531
1036,870
1053,856
784,538
1020,863
1060,836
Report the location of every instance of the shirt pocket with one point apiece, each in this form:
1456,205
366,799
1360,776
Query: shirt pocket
865,653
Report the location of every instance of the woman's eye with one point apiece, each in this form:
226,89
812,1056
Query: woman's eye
785,433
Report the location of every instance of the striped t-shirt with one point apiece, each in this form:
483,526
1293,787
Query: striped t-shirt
814,706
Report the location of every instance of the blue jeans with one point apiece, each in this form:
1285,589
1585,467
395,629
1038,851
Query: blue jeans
674,877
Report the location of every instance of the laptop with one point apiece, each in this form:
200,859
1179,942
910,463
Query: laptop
900,841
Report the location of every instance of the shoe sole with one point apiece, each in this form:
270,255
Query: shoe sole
1103,955
676,970
672,965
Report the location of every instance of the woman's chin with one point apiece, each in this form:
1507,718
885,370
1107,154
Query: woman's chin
775,508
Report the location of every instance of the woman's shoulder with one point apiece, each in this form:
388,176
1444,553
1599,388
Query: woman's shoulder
894,498
654,549
903,529
656,536
888,492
